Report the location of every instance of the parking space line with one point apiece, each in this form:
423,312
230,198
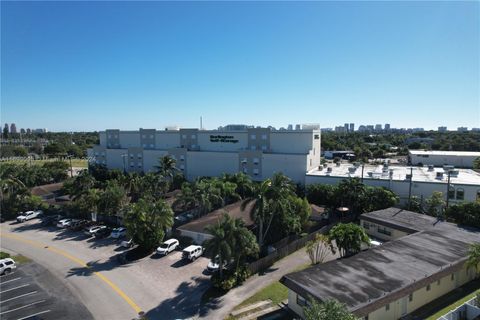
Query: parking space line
23,307
3,282
22,286
33,315
115,288
20,296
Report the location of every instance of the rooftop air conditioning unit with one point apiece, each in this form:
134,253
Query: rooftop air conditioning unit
338,164
408,177
352,169
370,173
448,167
454,173
329,169
439,175
430,167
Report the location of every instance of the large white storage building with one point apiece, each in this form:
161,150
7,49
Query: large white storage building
258,152
461,159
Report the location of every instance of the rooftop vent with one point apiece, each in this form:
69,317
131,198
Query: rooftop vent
454,173
352,169
447,168
439,175
430,167
329,169
369,173
338,164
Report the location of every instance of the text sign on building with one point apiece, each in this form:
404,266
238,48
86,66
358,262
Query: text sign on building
219,138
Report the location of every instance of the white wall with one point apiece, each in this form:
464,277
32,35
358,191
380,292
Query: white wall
129,139
167,140
103,138
440,160
211,164
291,141
150,159
114,158
206,145
198,237
292,165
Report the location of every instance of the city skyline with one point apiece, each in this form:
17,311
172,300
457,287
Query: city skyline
158,64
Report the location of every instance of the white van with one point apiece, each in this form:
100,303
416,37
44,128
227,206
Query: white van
192,252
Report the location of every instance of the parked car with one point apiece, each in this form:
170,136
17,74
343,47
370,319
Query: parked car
91,230
214,264
127,243
118,233
168,246
192,252
28,215
51,220
102,232
64,223
77,225
7,265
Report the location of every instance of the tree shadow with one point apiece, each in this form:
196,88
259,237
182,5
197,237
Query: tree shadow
187,302
97,266
267,271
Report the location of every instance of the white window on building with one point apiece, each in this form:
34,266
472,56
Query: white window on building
410,297
193,136
139,165
139,156
255,161
387,307
451,193
244,161
264,147
115,136
301,301
438,282
151,146
452,276
151,136
184,136
109,136
460,194
428,287
245,170
144,136
366,225
384,231
131,165
264,137
253,137
182,167
182,157
256,172
131,156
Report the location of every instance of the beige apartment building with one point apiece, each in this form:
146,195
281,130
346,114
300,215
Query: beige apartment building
422,260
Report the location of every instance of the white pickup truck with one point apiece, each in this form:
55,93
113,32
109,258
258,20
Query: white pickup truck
28,215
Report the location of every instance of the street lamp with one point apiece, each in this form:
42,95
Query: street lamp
124,166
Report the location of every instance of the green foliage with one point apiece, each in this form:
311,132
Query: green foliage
467,213
474,257
319,248
35,175
54,149
230,278
476,163
435,204
4,255
7,151
328,310
146,222
113,199
348,238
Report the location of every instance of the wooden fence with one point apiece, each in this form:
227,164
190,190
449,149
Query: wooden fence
279,253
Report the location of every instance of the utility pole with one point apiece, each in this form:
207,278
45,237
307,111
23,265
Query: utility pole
124,168
363,166
410,190
71,168
448,188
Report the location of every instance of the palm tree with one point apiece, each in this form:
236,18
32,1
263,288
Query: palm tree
166,167
222,243
474,257
244,184
348,238
186,198
259,211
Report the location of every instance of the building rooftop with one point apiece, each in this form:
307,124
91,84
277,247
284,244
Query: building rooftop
397,173
403,220
383,274
445,153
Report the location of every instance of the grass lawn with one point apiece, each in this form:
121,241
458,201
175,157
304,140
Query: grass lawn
276,292
75,162
19,259
453,306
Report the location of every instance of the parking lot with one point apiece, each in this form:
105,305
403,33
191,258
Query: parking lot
163,287
32,293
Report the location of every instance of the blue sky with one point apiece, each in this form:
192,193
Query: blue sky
71,66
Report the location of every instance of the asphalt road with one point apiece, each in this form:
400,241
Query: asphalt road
161,287
32,291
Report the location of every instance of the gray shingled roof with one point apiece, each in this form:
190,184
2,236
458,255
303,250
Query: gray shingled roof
373,278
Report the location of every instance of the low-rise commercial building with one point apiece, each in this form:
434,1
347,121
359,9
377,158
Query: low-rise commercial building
418,181
424,260
461,159
258,152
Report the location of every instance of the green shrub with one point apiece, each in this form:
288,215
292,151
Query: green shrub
4,255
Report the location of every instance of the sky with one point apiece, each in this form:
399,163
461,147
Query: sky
82,66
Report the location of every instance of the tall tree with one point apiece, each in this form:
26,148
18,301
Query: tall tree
435,204
147,220
222,244
348,238
167,167
474,257
328,310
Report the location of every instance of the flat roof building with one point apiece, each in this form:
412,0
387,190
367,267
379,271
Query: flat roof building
464,183
258,152
461,159
396,278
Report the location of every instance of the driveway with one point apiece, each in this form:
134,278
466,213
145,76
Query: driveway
161,287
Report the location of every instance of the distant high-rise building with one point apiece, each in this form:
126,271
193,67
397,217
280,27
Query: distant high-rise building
352,127
13,128
462,129
378,127
362,128
346,127
22,131
370,127
476,129
339,129
442,129
387,127
290,127
29,130
5,129
298,127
